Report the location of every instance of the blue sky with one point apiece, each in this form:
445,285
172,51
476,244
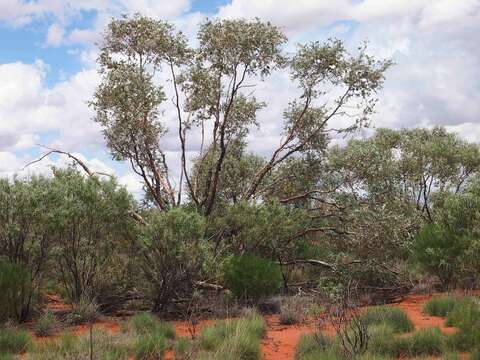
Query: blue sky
48,71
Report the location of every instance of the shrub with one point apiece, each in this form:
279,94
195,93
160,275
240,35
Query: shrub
14,341
292,311
91,227
393,317
173,254
85,310
440,306
46,324
438,251
14,285
25,243
250,277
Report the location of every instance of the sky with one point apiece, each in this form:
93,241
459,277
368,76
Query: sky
48,71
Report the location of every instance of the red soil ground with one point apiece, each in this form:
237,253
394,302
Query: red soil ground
280,340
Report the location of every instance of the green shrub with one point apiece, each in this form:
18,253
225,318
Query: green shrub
250,277
14,341
394,317
440,306
14,285
438,251
46,324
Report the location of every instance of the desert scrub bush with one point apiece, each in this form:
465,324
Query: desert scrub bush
440,306
233,339
14,283
46,324
292,310
250,277
69,347
85,310
394,317
14,341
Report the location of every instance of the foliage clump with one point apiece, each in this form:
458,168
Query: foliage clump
250,277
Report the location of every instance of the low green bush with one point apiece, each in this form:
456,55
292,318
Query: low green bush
250,277
396,318
14,288
46,324
14,341
440,306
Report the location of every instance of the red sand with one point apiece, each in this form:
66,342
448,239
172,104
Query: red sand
280,341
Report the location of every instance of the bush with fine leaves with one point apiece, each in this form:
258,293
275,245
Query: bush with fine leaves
173,254
250,277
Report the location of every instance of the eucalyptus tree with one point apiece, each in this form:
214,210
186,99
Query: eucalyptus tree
144,59
408,166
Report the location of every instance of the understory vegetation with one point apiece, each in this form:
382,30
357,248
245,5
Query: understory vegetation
391,334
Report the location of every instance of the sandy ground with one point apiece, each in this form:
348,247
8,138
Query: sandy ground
280,340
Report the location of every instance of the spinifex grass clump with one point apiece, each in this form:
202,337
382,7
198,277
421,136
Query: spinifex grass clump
393,317
14,341
440,306
466,317
69,347
233,339
152,336
46,324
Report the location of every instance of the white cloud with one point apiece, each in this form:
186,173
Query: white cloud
55,35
